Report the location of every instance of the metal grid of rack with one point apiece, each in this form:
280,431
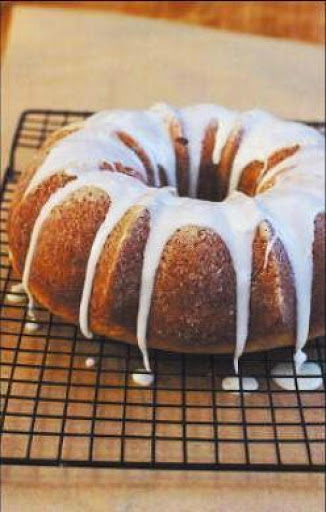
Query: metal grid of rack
58,411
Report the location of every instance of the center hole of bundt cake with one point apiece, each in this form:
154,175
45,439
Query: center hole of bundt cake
211,181
208,182
204,180
204,183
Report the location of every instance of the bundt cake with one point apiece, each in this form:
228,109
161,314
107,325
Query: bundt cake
196,230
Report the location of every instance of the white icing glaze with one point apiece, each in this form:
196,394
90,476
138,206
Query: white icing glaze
143,378
84,150
290,206
196,119
263,135
235,384
309,378
149,130
307,162
166,113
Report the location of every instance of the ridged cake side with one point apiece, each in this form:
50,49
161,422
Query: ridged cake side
193,304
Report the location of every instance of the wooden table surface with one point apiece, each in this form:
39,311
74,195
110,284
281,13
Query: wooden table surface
87,60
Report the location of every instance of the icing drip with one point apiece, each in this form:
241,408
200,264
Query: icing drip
235,221
142,378
299,359
237,384
309,377
133,197
243,218
295,228
117,210
97,179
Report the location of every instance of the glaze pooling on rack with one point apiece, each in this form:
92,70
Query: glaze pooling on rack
31,326
236,384
290,207
17,294
308,377
144,379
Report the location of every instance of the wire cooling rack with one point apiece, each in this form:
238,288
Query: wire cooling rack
58,411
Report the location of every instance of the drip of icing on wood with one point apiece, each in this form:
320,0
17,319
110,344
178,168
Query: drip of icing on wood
236,384
309,378
90,362
142,377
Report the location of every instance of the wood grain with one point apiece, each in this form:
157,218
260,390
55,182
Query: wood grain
294,20
5,20
301,20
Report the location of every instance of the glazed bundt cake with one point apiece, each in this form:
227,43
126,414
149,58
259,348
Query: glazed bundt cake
194,230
